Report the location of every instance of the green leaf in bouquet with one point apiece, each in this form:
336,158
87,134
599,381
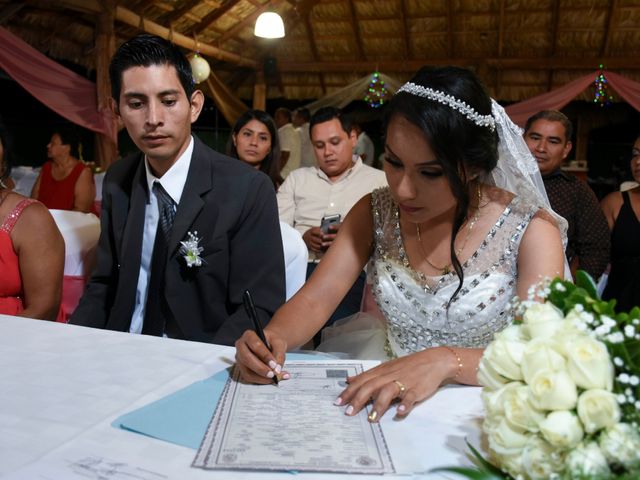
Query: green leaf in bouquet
483,462
584,281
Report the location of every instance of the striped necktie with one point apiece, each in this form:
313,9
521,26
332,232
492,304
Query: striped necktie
166,209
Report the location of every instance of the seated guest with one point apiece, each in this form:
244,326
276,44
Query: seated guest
331,187
301,117
289,140
65,183
548,136
31,251
254,140
364,147
622,210
184,230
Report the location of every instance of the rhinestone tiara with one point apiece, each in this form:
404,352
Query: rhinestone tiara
450,101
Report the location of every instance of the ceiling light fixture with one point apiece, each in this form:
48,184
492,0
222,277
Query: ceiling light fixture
269,25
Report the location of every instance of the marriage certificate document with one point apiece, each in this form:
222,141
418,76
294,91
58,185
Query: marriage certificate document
294,426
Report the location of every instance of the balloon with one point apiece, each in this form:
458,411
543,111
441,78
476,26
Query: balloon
199,68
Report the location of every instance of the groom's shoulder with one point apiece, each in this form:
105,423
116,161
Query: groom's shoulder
122,170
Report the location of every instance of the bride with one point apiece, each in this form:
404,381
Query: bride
447,247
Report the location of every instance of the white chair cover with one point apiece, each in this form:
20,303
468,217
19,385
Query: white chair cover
296,257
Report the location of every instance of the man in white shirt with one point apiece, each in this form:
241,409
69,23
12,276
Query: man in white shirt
364,146
289,139
301,119
332,187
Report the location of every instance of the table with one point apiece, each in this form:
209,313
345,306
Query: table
62,385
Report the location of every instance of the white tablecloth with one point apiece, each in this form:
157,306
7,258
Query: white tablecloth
80,232
61,386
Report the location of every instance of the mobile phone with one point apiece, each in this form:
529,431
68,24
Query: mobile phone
329,220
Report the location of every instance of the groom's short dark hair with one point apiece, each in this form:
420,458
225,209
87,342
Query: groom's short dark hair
143,51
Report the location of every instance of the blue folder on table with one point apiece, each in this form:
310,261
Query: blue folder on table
183,416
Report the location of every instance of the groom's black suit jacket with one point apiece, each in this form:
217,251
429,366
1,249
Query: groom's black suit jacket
232,207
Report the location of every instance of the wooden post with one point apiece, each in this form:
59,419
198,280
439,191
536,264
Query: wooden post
106,148
260,92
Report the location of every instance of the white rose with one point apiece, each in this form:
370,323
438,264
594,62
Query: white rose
541,354
505,356
541,320
489,378
562,429
541,460
587,460
505,439
590,364
512,332
554,390
598,409
620,445
493,400
519,409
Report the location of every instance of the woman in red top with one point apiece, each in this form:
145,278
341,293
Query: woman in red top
31,252
65,183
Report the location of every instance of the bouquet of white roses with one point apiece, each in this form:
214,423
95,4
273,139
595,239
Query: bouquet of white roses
561,388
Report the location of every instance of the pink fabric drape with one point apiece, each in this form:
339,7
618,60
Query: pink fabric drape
558,98
627,89
553,100
60,89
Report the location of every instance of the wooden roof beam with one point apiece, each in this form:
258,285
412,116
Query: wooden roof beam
405,30
313,47
128,17
356,30
9,11
500,46
212,17
555,22
450,29
606,44
169,18
347,66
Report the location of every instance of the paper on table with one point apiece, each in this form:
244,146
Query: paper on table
183,416
294,426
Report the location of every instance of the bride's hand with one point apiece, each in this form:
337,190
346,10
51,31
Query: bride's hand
257,363
409,379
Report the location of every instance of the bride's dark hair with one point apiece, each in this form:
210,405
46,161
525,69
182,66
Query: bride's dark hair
464,149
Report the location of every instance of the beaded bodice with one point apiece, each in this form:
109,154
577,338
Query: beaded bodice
415,305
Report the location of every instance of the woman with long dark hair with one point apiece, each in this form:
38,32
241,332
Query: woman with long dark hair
254,140
460,230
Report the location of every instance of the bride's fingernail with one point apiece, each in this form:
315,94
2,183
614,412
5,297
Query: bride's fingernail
272,364
270,374
401,408
278,368
337,401
286,376
349,410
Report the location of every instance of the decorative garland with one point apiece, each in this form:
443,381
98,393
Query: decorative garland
601,94
376,92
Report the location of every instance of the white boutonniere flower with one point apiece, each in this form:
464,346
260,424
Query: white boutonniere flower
191,251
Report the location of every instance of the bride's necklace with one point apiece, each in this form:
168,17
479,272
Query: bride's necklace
447,268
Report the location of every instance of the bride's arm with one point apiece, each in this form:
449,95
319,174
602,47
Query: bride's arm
305,314
540,255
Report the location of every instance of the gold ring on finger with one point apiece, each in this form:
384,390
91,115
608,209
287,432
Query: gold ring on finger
401,387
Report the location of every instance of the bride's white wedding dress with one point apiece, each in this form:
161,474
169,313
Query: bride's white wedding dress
413,306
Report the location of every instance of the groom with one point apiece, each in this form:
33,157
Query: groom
146,279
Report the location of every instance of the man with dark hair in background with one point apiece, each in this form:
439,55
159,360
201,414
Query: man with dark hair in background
331,188
184,230
548,136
